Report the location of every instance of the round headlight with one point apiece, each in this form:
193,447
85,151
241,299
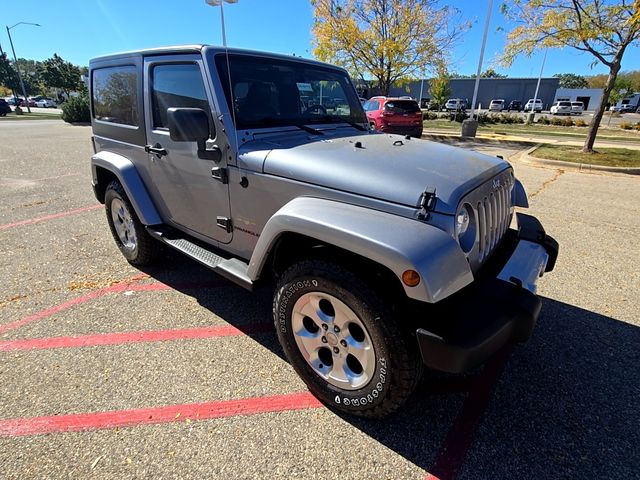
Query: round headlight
466,227
462,220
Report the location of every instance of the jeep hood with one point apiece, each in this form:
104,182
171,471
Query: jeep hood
381,166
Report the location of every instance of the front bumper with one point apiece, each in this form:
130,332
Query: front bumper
498,308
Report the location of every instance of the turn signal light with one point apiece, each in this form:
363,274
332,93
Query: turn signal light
411,278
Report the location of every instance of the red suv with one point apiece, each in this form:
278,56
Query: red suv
394,115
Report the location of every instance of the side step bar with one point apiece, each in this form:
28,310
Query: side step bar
231,268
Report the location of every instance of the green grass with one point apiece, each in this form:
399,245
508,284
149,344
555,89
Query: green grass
612,157
543,130
31,116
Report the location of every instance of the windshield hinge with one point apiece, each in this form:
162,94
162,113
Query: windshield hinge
427,203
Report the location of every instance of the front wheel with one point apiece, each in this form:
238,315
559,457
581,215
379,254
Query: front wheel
343,341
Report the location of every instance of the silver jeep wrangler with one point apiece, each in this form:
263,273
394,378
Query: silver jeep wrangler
389,252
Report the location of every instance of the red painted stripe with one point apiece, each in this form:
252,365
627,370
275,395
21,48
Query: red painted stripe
126,285
131,337
71,303
451,455
31,221
167,414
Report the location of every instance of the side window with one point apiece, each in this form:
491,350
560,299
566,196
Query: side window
176,85
114,95
371,105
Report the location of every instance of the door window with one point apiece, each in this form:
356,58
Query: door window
177,85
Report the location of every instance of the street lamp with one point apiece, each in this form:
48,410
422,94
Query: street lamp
24,92
220,3
532,115
470,126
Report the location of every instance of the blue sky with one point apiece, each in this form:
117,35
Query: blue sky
78,30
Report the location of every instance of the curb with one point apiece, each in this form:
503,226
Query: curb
581,167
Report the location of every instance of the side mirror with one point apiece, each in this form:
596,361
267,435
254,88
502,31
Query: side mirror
192,125
187,124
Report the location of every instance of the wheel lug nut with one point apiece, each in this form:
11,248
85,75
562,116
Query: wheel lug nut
324,339
336,329
343,343
325,326
336,350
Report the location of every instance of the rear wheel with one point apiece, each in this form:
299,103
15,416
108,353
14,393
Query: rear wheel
133,240
343,341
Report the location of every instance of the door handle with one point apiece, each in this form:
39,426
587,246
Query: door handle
155,149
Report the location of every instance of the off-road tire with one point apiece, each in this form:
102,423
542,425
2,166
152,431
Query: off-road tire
397,363
146,248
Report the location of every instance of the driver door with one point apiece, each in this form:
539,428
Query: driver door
183,186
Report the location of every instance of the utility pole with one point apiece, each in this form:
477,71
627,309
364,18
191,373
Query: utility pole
470,126
15,59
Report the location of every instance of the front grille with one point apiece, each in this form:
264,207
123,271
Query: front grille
492,207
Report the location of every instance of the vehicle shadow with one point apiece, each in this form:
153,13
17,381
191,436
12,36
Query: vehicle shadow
565,406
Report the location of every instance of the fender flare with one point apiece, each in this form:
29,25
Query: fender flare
396,242
520,195
133,185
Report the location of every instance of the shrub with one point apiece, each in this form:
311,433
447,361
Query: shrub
626,126
76,110
429,116
557,121
567,122
580,123
544,121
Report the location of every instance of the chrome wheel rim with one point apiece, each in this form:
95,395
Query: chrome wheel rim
123,224
333,340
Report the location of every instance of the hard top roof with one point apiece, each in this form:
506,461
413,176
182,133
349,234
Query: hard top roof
198,48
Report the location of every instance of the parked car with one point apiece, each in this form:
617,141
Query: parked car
394,115
638,110
627,108
424,102
13,101
561,108
4,108
577,108
455,105
496,105
30,102
614,108
387,252
45,103
515,105
535,105
433,106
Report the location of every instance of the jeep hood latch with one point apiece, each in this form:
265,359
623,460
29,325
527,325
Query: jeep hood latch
427,202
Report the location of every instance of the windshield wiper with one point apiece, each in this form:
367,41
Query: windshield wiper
344,120
306,128
276,122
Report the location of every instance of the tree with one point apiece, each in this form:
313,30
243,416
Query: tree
491,73
603,29
8,74
571,80
57,72
439,87
389,40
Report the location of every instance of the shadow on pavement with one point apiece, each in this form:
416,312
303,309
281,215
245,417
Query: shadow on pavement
566,405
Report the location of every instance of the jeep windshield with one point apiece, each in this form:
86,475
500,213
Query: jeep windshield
269,92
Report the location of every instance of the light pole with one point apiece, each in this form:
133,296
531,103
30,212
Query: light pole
470,126
15,59
535,95
220,3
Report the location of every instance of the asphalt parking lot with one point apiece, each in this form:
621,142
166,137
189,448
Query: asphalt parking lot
107,371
